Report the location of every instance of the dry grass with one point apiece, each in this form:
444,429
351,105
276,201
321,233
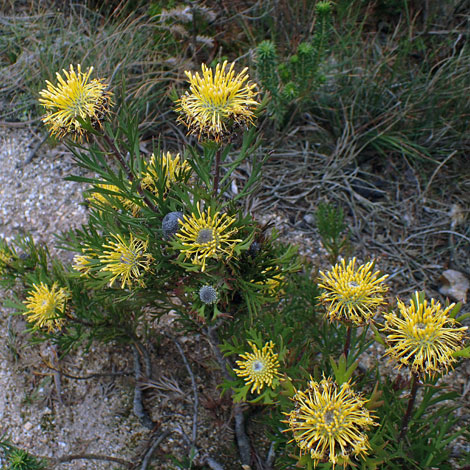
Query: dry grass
385,139
416,235
130,51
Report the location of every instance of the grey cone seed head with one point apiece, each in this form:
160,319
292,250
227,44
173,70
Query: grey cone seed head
208,294
170,224
254,249
204,236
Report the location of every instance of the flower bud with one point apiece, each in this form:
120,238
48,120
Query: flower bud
208,295
170,224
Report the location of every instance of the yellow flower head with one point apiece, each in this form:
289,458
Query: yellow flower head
423,336
329,422
352,295
5,259
75,97
82,264
100,198
46,306
126,260
215,100
274,279
204,236
259,368
173,168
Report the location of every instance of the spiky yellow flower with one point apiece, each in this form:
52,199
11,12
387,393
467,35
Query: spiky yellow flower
423,336
272,282
99,198
82,264
259,368
75,97
126,260
173,169
5,259
46,306
203,236
216,101
352,295
329,422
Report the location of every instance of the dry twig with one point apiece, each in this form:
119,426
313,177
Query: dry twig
139,408
243,441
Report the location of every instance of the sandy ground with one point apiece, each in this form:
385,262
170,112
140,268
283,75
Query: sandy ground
87,416
56,416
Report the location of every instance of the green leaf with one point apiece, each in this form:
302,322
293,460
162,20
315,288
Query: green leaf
462,352
341,372
377,336
454,312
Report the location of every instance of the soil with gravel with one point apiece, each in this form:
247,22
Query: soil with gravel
88,409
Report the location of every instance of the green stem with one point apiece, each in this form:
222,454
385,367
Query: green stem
347,342
119,157
217,170
130,176
409,409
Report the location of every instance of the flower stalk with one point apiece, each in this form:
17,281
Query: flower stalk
347,341
217,170
406,419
